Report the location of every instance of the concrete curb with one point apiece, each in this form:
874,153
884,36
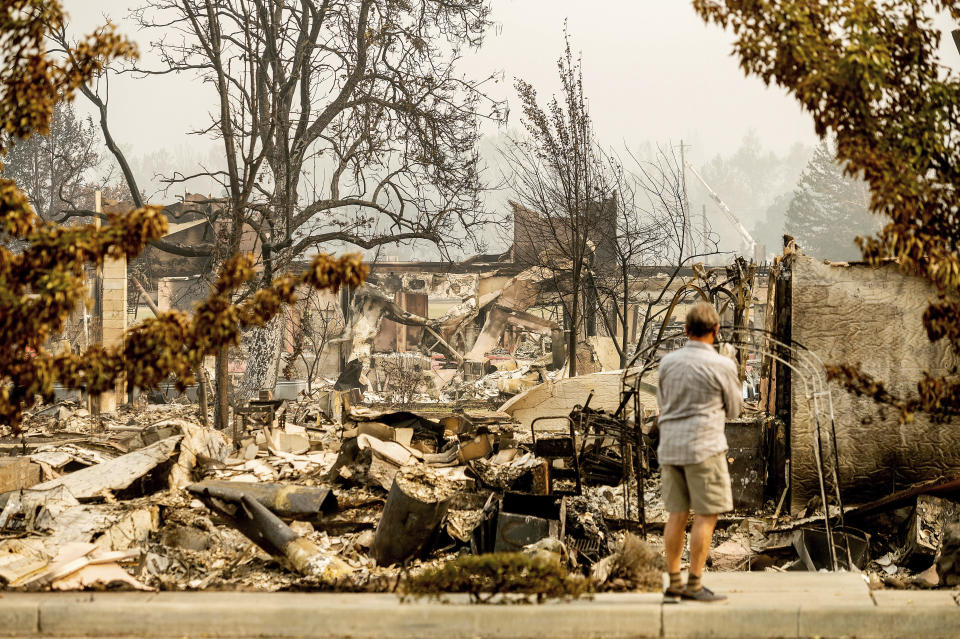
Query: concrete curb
730,620
305,615
19,615
880,622
321,615
235,614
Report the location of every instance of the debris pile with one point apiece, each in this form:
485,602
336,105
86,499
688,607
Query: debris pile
443,499
288,497
635,566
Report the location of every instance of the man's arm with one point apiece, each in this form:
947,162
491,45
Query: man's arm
732,389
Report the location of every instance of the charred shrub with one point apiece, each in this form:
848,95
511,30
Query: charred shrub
485,577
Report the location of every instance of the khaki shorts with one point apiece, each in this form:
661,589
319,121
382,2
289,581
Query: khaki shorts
704,486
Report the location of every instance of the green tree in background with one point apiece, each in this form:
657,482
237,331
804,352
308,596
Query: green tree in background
769,231
53,169
829,209
750,180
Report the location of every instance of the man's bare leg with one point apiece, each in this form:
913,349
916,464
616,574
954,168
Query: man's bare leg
673,539
700,537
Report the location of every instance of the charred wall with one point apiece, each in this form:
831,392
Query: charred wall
872,316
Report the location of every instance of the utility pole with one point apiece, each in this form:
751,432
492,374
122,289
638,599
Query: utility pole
706,231
750,242
687,239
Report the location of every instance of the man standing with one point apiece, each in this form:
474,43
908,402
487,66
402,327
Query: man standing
699,390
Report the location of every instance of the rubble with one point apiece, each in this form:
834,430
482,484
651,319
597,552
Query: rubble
635,565
948,562
527,519
330,493
733,554
80,565
267,530
417,503
21,559
813,547
558,398
114,474
926,529
17,473
285,500
131,488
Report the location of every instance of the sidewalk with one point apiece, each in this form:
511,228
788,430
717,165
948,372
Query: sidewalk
761,605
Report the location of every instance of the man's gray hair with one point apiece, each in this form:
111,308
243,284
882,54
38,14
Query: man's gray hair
702,318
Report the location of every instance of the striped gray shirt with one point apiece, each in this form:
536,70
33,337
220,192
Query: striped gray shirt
699,390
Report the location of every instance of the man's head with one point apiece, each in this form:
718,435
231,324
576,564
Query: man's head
703,322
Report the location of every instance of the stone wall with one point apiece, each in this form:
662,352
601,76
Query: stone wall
872,316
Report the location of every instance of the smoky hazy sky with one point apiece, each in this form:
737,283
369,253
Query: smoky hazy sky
653,71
